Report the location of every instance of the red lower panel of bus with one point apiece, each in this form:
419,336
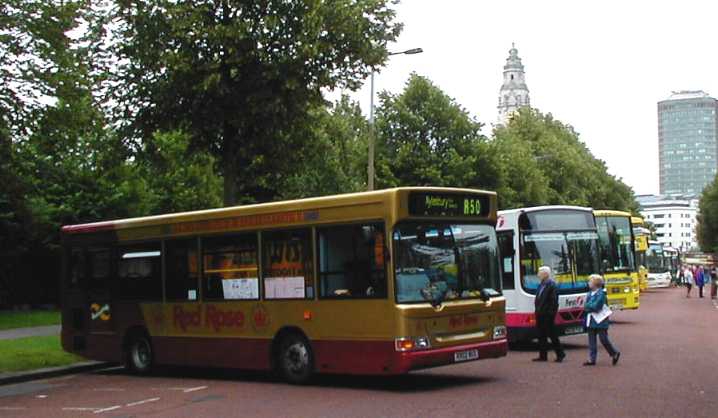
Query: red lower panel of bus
336,356
564,316
522,326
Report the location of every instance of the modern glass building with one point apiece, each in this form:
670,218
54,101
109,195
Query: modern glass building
687,143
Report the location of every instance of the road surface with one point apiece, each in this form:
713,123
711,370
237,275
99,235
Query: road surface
669,368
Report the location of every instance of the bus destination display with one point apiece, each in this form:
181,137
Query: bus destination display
448,204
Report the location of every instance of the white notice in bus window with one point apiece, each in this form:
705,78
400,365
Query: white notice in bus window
241,288
284,287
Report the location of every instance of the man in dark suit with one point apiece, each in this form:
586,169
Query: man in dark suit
546,304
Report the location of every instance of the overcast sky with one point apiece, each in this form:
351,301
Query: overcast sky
599,66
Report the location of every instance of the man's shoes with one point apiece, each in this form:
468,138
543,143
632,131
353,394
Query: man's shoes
616,357
589,363
540,359
560,357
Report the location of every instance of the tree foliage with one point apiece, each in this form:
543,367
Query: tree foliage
425,138
239,77
555,166
707,227
336,161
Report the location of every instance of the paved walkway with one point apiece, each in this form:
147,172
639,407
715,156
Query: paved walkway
13,334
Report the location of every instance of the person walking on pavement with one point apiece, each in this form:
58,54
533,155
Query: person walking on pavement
700,280
714,281
597,321
688,280
546,307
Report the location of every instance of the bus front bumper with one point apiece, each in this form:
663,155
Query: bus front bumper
415,360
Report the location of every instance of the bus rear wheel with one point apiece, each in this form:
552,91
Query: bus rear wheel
295,359
140,357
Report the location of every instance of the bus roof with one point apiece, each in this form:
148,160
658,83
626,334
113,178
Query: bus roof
541,208
637,220
282,208
607,212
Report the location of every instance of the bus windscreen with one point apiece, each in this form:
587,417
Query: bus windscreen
557,220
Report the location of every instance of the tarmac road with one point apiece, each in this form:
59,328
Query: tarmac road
669,368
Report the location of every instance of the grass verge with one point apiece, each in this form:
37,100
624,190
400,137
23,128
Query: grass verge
33,353
23,319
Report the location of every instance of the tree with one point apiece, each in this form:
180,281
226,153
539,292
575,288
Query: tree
707,227
424,138
573,175
238,77
179,180
520,179
336,161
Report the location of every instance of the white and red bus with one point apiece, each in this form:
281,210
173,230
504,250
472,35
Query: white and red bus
561,237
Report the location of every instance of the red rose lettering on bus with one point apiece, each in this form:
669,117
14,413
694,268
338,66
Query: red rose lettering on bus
217,319
260,317
183,319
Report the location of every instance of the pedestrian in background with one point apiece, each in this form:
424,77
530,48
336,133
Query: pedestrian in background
681,276
688,280
546,308
714,281
700,280
598,321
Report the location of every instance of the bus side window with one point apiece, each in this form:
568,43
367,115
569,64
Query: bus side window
181,270
352,262
139,273
76,269
288,264
99,268
230,268
508,252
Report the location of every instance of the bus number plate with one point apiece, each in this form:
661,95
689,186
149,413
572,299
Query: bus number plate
574,330
466,355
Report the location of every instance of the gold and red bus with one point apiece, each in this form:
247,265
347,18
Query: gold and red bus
379,282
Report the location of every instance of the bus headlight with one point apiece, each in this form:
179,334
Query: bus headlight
412,343
626,290
499,332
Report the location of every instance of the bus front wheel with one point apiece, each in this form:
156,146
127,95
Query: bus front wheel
140,357
295,359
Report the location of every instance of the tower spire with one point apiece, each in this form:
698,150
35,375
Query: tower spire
514,93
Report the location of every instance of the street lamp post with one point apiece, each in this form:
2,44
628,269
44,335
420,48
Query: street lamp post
370,164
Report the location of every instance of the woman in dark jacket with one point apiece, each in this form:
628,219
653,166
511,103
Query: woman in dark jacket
597,321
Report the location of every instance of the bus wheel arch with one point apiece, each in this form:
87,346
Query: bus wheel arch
138,351
292,355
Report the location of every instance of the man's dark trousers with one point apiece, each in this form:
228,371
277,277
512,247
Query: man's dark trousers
547,329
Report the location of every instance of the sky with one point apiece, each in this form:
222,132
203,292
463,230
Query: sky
598,66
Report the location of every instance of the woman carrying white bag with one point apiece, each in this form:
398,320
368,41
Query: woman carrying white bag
597,321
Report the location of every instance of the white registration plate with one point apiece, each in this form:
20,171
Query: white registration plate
616,307
574,330
466,355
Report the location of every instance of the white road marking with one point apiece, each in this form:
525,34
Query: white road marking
109,389
185,390
142,402
71,408
12,408
111,408
41,396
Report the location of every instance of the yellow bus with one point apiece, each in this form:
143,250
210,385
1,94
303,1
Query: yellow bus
618,258
380,282
641,236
